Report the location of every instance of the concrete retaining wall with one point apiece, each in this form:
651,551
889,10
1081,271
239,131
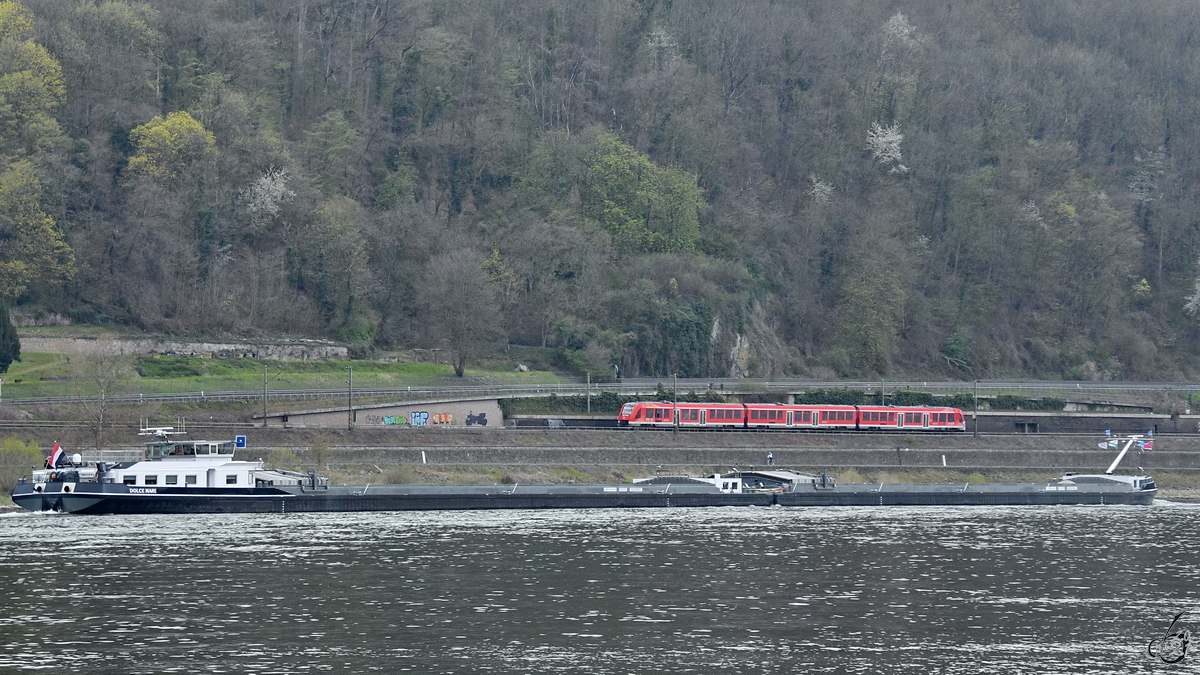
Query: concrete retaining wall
473,413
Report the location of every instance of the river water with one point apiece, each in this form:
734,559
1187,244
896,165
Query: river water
717,590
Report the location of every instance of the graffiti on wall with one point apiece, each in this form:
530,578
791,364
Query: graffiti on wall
417,418
480,419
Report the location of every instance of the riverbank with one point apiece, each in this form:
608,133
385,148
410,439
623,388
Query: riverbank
507,455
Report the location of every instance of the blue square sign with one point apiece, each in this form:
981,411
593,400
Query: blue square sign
239,441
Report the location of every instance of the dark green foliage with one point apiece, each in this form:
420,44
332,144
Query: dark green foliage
832,397
168,367
603,403
10,344
1012,402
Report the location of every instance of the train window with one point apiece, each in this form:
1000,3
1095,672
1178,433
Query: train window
737,414
753,414
824,416
807,416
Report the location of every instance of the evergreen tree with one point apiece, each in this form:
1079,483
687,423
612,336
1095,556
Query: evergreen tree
10,344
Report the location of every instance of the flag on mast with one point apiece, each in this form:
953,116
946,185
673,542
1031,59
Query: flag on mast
56,457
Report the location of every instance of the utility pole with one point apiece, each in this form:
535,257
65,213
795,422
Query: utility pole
264,396
975,415
350,401
589,392
675,408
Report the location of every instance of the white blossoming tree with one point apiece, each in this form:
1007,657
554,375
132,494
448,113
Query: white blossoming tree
884,144
264,197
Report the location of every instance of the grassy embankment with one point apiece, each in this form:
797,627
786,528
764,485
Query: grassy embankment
55,375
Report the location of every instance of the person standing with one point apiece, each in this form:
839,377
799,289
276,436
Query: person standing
770,459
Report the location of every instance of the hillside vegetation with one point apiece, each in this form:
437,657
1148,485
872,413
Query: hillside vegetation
743,187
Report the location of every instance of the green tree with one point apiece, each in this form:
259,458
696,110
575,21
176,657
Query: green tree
165,147
32,249
31,89
870,308
10,344
647,208
332,258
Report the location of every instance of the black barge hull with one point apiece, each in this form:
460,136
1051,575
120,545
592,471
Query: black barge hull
94,498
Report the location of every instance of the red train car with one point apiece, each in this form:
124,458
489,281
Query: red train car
797,417
691,415
910,418
776,416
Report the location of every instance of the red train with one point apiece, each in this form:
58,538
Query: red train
798,417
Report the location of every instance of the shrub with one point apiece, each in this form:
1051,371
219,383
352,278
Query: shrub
16,460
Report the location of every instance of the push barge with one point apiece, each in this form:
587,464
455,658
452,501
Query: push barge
177,476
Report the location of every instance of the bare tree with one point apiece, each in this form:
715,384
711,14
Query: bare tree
459,306
97,377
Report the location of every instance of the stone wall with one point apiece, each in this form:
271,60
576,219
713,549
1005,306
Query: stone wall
298,350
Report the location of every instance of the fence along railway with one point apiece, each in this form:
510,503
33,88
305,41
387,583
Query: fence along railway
651,386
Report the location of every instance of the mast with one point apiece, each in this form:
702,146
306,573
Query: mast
1129,444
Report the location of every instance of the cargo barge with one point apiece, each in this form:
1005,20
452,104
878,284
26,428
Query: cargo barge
178,476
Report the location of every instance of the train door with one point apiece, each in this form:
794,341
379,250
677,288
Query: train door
703,417
926,420
899,419
789,418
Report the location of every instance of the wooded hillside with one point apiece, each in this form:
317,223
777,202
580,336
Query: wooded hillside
958,189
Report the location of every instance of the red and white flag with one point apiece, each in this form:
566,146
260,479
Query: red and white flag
56,455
